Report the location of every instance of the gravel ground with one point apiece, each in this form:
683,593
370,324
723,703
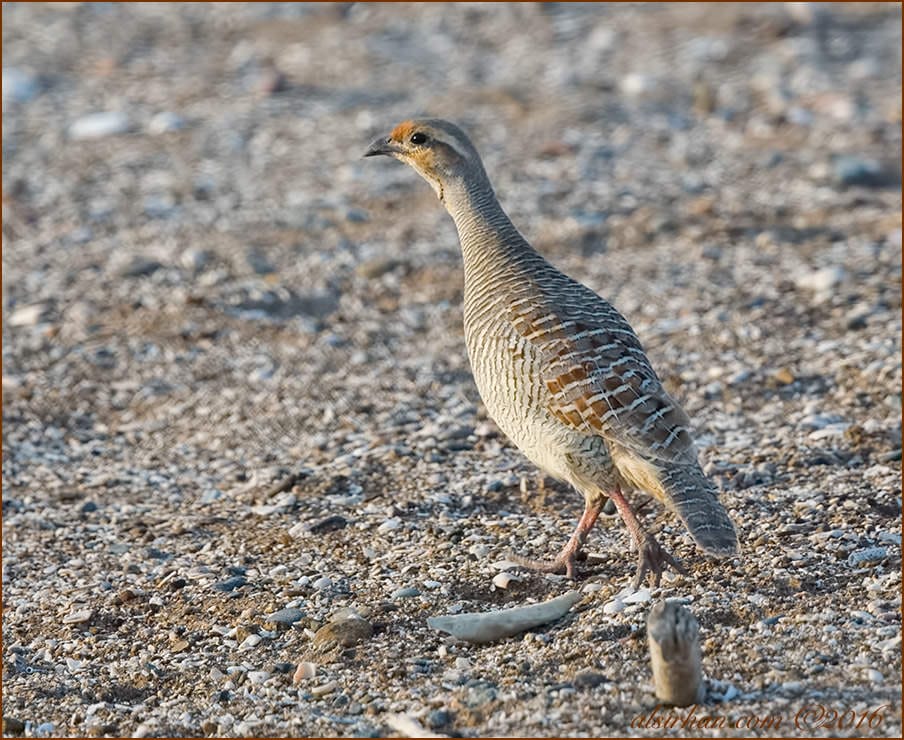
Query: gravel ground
237,409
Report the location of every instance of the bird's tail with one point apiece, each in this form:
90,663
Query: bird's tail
693,496
684,488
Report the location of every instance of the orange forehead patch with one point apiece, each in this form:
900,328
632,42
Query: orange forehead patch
402,131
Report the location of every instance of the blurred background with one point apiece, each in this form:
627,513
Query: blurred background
189,177
206,288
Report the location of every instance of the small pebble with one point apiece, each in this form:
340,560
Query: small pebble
286,616
250,642
724,692
850,171
346,632
165,122
28,315
891,645
588,679
323,583
821,281
784,376
875,676
637,85
329,524
304,671
867,555
99,125
19,85
408,592
486,429
346,612
439,718
741,376
139,266
258,677
13,726
230,584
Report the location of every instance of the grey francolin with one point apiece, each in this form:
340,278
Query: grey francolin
560,370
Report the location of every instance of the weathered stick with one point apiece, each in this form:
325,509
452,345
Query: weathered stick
490,626
674,638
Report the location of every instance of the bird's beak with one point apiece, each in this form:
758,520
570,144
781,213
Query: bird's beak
382,145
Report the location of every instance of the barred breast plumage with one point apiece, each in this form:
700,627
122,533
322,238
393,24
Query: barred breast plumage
560,370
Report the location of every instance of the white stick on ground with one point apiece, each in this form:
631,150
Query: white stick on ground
674,638
490,626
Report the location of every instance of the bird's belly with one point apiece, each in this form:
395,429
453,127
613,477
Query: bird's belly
507,374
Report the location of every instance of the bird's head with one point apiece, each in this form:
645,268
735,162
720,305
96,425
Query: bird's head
438,151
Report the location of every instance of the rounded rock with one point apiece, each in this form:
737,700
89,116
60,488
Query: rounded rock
323,583
407,592
286,617
346,632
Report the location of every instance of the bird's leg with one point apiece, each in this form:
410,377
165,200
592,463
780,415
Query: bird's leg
565,560
653,557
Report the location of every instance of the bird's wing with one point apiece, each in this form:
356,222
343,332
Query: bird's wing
598,377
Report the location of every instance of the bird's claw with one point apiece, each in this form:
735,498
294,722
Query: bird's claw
562,564
654,559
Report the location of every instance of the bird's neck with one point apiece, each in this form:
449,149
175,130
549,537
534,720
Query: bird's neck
489,240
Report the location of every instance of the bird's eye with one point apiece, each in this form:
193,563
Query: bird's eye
418,138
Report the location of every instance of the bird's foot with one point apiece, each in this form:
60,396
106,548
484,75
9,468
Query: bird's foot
653,559
562,564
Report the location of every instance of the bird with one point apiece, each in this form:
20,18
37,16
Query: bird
560,370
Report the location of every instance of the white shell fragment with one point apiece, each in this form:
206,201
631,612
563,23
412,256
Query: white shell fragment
77,617
638,597
304,671
502,580
489,626
408,726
